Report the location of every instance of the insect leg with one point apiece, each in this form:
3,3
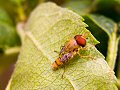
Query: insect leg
85,56
61,47
56,51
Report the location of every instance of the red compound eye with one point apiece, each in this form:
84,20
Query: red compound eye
80,40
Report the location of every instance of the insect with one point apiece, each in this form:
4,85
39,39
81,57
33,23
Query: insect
69,50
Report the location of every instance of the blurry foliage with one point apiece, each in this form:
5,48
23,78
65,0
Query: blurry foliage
109,8
14,11
4,17
8,35
9,41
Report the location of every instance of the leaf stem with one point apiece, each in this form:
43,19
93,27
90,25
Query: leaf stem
21,13
112,49
12,50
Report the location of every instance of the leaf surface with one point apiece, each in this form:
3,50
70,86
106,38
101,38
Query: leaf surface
48,28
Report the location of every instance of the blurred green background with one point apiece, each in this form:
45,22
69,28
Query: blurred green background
102,17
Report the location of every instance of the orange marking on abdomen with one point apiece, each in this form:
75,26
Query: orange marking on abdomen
56,64
59,63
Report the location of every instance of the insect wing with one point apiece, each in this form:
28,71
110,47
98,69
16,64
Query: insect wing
66,57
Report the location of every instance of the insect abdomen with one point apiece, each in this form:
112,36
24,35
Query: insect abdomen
60,61
57,64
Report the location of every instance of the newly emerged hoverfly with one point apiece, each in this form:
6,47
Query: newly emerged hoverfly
70,49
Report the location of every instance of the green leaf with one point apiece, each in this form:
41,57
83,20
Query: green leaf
8,36
48,28
99,30
101,25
